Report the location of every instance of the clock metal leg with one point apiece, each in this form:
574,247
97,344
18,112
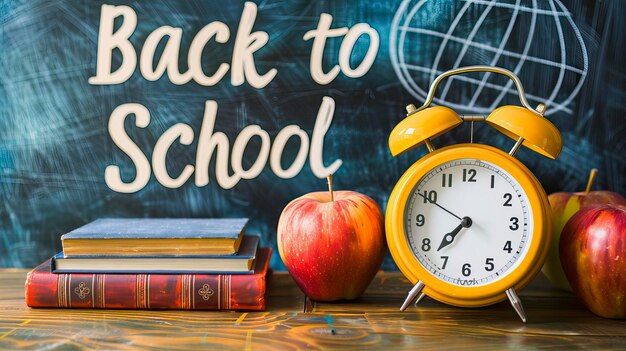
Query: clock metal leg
419,298
417,289
516,303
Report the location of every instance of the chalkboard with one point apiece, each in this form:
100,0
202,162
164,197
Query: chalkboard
93,94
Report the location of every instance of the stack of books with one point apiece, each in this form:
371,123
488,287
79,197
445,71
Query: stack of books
198,264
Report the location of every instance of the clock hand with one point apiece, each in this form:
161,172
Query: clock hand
438,205
466,222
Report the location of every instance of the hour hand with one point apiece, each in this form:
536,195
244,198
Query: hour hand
448,239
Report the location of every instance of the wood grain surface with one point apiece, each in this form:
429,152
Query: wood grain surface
556,321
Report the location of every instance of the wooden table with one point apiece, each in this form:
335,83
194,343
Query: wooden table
556,321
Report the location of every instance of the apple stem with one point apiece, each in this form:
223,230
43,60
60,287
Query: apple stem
330,187
592,177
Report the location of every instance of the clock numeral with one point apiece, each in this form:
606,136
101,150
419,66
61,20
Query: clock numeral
426,244
445,261
446,180
489,266
493,181
419,220
514,223
507,247
429,196
471,173
466,269
508,198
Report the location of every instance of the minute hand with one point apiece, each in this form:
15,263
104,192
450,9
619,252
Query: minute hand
438,205
466,222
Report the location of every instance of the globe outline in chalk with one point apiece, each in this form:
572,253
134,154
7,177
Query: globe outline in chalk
567,72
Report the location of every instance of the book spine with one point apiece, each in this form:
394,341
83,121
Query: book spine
146,291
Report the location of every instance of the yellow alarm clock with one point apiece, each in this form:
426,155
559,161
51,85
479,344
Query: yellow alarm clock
469,224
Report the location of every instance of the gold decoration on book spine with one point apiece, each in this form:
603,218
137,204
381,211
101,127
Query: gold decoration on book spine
186,292
82,290
98,298
206,292
143,291
63,298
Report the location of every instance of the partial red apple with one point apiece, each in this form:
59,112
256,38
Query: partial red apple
593,256
332,243
564,205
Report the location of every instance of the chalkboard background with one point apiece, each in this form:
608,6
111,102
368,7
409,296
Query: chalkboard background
55,146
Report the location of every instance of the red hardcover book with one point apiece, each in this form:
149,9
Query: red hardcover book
150,291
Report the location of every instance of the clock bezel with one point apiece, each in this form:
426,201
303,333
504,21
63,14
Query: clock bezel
469,296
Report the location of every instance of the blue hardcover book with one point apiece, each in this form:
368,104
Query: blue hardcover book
155,236
240,263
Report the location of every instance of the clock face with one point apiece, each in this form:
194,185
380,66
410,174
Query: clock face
468,222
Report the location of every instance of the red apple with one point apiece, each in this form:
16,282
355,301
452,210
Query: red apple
593,256
332,245
564,206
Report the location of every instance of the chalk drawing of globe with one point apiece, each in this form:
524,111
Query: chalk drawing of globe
536,39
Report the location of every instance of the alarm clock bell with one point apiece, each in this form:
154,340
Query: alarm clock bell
524,124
